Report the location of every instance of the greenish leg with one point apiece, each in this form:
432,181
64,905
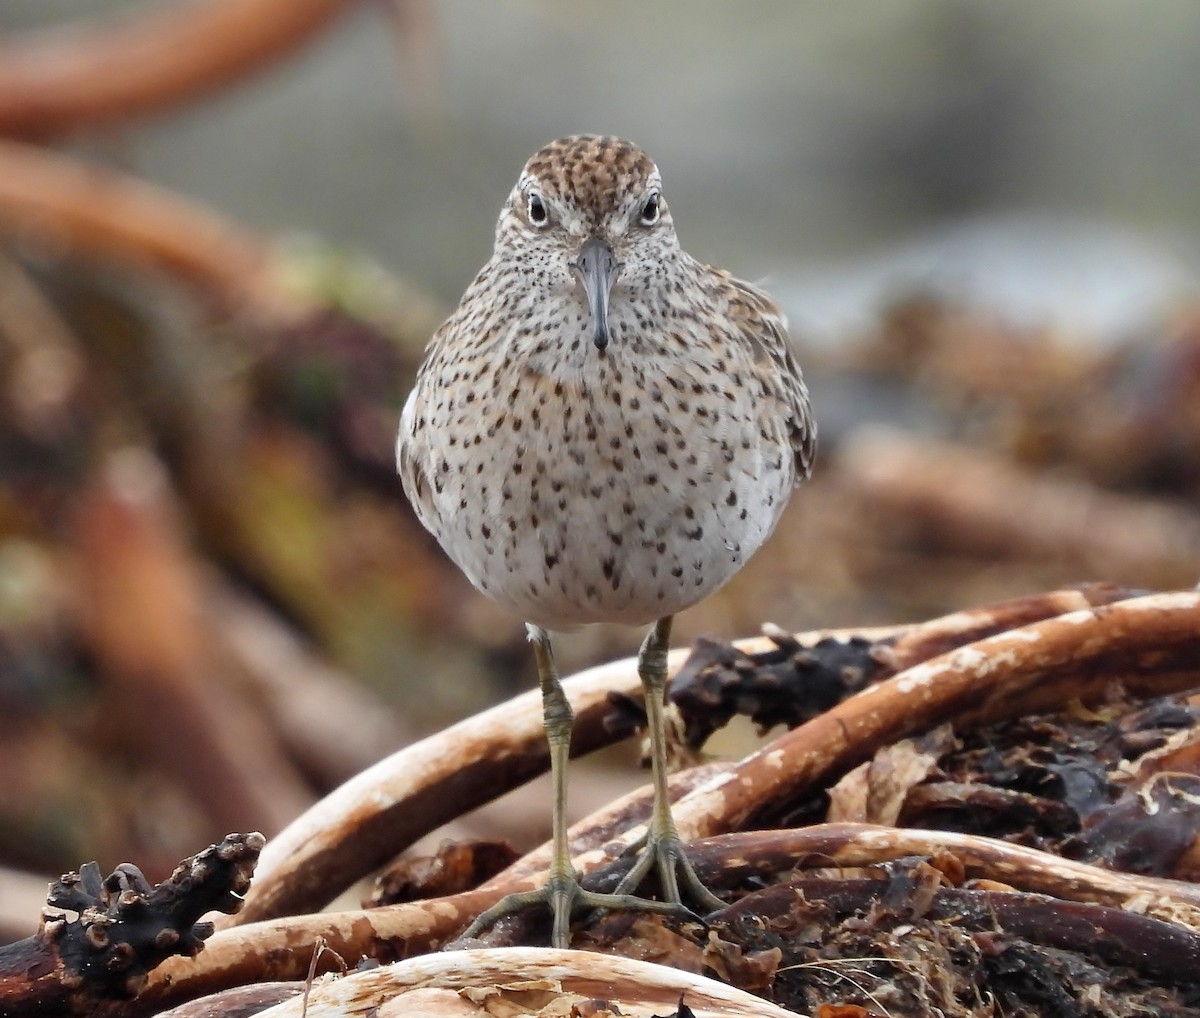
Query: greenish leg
562,892
663,848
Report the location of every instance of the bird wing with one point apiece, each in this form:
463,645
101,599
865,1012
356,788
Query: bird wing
766,328
410,458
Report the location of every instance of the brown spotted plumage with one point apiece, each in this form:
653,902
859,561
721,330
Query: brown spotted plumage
605,430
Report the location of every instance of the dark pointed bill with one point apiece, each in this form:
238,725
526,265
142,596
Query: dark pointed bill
597,270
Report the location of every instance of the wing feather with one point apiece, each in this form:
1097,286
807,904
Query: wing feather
765,326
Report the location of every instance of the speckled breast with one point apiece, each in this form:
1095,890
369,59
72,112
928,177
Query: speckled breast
621,489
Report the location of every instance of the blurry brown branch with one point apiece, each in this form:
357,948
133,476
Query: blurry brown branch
45,365
95,361
66,79
965,498
308,704
100,214
143,600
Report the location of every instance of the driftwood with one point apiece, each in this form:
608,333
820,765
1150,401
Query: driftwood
365,822
306,701
1052,661
285,949
1147,643
135,566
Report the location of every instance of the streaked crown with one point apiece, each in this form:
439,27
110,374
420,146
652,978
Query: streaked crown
595,181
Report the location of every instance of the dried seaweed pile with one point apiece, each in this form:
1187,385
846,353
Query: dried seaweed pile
999,816
1114,787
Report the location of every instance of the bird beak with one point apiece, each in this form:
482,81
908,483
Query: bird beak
597,271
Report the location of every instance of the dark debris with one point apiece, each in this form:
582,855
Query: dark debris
784,686
951,951
124,927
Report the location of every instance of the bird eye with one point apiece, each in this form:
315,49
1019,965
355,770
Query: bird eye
536,209
651,208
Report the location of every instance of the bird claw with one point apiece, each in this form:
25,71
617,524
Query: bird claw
666,854
564,896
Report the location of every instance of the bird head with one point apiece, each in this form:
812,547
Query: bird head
588,219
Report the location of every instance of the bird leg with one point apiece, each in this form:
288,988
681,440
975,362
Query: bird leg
562,893
662,846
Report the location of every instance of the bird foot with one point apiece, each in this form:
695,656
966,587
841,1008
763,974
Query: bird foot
563,895
665,853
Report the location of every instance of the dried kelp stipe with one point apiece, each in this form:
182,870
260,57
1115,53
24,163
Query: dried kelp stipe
122,928
365,822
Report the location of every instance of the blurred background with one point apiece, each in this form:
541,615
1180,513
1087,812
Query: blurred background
227,228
